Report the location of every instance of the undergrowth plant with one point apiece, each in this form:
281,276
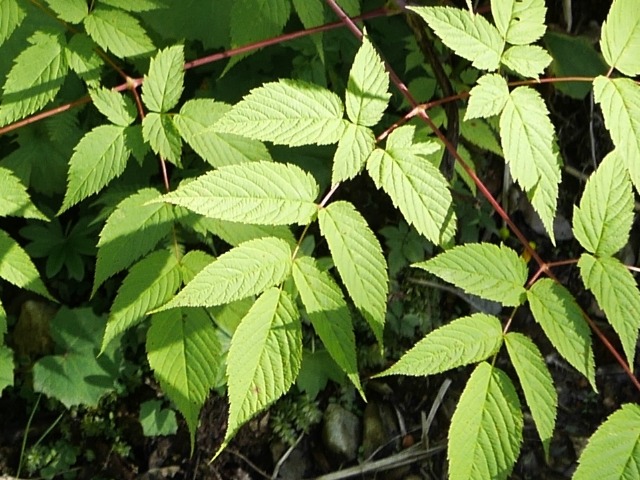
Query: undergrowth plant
123,163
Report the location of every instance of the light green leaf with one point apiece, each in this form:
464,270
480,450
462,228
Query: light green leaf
72,11
14,199
158,129
488,97
544,196
11,18
16,267
526,60
131,231
219,149
486,428
602,222
185,356
358,257
620,102
367,94
481,134
150,283
617,294
416,187
6,362
560,317
193,263
469,36
138,5
620,39
3,323
84,60
118,32
329,315
537,384
119,109
491,272
100,156
288,112
463,341
520,22
164,83
264,193
612,451
245,270
354,146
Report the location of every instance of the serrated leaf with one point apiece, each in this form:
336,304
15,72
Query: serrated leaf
100,156
133,229
603,220
479,133
6,363
560,317
253,20
358,257
354,146
150,283
536,383
620,102
612,451
526,60
245,270
264,193
329,315
469,36
72,11
482,269
617,294
264,358
416,187
138,5
83,59
118,32
164,83
620,37
311,14
17,268
287,112
488,97
463,341
193,263
11,18
14,199
119,109
486,428
163,136
520,22
185,356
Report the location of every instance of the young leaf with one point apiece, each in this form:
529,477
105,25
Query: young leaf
72,11
358,257
329,315
117,32
491,272
526,60
119,109
486,428
520,22
185,355
603,220
537,384
264,358
265,193
11,18
416,187
463,341
158,129
620,37
16,267
560,317
288,112
354,146
14,199
617,294
470,36
245,270
150,283
488,97
163,85
612,451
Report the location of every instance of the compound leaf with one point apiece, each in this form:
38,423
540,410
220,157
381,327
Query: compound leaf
17,268
164,83
14,199
526,60
354,146
163,136
119,109
620,37
11,18
488,97
117,32
72,11
520,22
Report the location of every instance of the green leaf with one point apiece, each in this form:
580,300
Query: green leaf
118,32
72,11
253,20
119,109
219,149
603,220
16,267
488,97
193,263
358,257
481,134
158,129
469,36
164,83
287,112
133,229
311,14
14,199
264,358
520,22
617,294
526,60
367,94
463,341
537,384
6,360
329,315
185,356
3,323
84,60
491,272
560,317
416,187
11,18
620,102
354,146
620,37
612,451
138,5
245,270
264,193
155,420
